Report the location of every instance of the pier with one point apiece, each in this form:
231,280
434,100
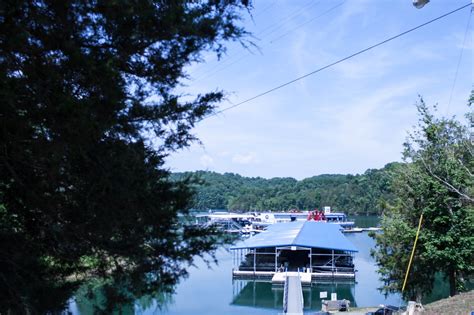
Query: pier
293,294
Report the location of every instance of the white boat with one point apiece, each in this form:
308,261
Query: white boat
354,230
254,222
232,222
267,218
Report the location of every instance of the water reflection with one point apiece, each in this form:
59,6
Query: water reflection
257,294
101,296
212,290
265,295
363,221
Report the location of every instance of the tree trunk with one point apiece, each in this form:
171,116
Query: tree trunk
452,283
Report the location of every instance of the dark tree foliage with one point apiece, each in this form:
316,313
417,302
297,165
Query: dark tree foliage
438,182
89,111
363,194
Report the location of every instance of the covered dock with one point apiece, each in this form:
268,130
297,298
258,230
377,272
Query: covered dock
318,248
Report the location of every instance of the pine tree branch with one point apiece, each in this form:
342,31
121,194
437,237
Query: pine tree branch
466,168
445,183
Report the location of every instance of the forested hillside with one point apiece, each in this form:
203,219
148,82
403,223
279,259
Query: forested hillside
353,194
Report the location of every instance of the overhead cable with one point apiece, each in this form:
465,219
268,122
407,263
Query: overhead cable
336,62
231,60
459,60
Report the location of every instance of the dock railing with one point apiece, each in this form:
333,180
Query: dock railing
285,293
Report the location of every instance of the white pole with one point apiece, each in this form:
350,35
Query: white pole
254,259
333,260
276,257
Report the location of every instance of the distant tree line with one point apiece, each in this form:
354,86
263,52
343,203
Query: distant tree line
362,194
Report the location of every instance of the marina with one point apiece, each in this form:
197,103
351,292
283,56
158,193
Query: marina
251,223
227,294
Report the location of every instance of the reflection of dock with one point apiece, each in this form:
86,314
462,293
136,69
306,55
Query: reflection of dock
264,294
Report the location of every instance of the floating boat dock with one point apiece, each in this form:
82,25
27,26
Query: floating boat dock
314,276
316,249
280,277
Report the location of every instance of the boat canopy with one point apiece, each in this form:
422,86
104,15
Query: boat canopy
309,234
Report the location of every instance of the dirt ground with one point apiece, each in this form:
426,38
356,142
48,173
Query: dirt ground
461,304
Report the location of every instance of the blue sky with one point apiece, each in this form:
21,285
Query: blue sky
345,119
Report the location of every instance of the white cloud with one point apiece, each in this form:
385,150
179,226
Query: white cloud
206,160
224,153
248,158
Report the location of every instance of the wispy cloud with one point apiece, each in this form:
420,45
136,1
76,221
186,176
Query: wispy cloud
247,158
206,161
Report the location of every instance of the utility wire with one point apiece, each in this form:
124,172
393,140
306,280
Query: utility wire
337,62
243,55
459,61
265,32
265,9
276,26
307,22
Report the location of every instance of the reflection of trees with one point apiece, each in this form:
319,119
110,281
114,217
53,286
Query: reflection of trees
110,297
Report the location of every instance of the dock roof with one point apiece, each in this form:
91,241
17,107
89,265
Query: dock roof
300,233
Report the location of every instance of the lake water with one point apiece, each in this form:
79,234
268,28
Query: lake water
213,291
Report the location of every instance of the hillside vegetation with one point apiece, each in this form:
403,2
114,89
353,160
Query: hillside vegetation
366,193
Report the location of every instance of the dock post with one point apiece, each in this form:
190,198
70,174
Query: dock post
254,260
276,259
332,265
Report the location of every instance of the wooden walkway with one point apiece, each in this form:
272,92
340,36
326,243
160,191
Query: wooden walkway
293,294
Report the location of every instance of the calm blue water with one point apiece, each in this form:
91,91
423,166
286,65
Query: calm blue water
212,290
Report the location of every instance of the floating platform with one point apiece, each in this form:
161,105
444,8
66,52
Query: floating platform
279,277
306,277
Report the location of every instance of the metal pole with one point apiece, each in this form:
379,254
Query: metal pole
412,253
254,260
333,260
311,260
276,257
